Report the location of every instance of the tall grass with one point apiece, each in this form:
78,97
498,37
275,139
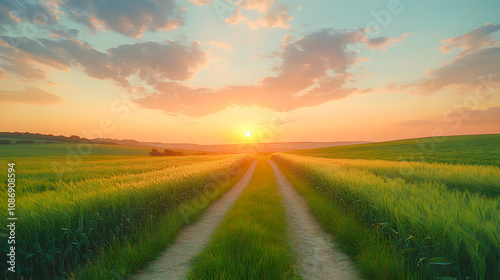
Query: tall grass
252,242
473,178
372,253
71,224
467,149
441,231
123,257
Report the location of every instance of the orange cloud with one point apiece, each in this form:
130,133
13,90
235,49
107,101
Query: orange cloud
220,44
201,2
276,16
480,58
260,5
313,71
478,38
31,95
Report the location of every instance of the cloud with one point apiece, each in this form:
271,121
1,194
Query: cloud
383,43
472,41
201,2
276,16
313,70
31,95
260,5
480,58
152,61
220,44
472,116
168,60
127,17
7,17
14,12
236,18
58,33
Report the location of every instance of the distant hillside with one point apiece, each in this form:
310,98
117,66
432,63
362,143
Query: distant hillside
468,149
251,147
125,142
50,137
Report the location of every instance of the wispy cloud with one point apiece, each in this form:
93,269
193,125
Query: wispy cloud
313,70
480,56
152,61
30,95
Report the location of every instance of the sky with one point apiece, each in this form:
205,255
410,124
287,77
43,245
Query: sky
209,71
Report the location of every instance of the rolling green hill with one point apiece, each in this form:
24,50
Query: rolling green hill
13,151
469,149
71,149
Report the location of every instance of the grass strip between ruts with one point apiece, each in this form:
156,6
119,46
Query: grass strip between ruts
252,242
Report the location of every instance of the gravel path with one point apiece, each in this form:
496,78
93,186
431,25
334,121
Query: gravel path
316,254
174,262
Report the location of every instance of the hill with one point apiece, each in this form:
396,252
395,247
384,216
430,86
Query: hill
467,149
250,147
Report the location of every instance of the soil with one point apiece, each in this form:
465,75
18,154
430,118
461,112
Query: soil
317,256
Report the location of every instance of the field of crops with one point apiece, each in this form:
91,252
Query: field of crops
70,211
442,219
468,149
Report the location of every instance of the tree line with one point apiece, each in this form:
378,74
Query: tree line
166,153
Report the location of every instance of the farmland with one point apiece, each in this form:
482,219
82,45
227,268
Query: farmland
109,214
70,212
469,149
441,220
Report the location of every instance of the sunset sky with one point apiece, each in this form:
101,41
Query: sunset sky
208,71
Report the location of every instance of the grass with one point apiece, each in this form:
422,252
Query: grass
372,253
441,232
75,151
252,242
470,150
124,257
68,219
483,180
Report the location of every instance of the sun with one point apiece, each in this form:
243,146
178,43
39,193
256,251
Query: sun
247,134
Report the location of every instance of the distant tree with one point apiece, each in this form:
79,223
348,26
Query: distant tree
5,142
170,153
155,153
25,141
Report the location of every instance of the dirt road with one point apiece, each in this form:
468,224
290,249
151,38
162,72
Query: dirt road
174,262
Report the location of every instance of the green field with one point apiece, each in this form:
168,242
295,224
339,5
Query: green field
75,151
71,211
107,213
470,149
441,219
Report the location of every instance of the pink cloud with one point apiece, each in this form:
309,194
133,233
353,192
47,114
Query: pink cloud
480,58
314,70
260,5
220,44
276,16
236,18
201,2
31,95
150,60
478,38
128,17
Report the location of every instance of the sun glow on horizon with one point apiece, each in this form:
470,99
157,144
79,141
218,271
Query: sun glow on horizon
248,134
